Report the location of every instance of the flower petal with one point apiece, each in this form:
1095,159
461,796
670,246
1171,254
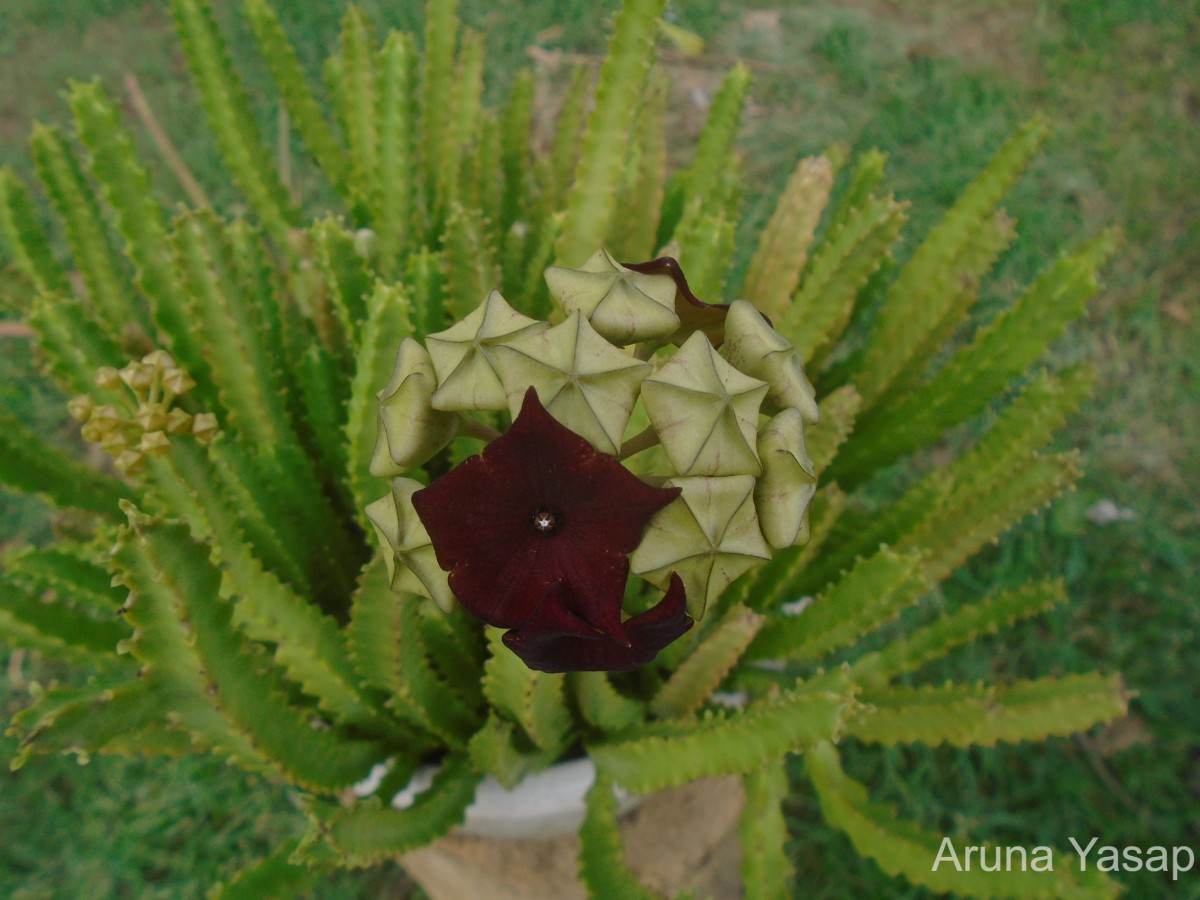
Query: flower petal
481,519
553,639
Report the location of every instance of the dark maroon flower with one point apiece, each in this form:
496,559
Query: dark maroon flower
536,533
554,639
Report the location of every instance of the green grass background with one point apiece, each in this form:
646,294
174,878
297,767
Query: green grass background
937,85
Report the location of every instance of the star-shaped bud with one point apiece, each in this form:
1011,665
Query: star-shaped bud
410,429
788,483
754,347
705,412
539,508
160,359
555,639
463,355
130,462
205,427
151,416
585,382
108,377
80,408
694,314
412,564
114,442
623,305
709,536
178,421
177,381
138,376
154,444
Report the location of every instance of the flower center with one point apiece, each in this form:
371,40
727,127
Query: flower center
545,521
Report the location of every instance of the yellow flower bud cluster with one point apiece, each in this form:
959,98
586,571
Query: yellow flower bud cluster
141,426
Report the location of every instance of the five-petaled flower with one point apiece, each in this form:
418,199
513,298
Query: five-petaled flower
536,534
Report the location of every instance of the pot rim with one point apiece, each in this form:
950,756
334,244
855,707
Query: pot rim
547,804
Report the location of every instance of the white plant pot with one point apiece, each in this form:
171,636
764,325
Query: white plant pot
549,804
522,844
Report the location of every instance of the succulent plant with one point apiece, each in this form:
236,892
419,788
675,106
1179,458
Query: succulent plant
242,581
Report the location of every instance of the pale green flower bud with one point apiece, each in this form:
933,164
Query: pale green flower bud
709,535
130,462
112,443
105,417
623,305
705,412
178,422
754,347
177,381
383,518
154,444
150,417
581,379
108,377
412,565
80,408
410,429
463,355
159,359
204,427
788,483
139,376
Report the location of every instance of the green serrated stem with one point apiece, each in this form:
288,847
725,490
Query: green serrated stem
230,118
396,145
24,237
591,200
738,743
763,831
139,218
358,95
108,288
298,98
29,465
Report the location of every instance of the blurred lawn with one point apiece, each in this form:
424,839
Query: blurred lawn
936,85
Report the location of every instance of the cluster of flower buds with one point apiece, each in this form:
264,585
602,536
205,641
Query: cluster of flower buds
651,433
141,427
